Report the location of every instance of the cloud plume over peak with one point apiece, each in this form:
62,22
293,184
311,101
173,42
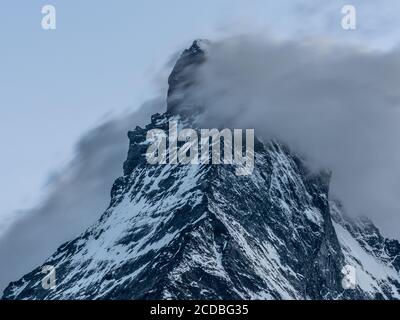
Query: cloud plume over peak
336,105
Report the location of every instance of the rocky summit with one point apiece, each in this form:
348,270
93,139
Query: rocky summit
176,231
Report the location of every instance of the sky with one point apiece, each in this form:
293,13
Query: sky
106,58
57,84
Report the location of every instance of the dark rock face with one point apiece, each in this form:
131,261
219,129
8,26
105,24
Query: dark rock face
201,232
182,78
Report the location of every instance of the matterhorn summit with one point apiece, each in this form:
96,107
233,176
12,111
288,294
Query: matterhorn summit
176,231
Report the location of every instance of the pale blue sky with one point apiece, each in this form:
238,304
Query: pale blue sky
107,56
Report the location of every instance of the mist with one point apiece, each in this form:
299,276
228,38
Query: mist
336,105
78,195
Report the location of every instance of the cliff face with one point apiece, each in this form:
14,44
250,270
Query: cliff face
202,232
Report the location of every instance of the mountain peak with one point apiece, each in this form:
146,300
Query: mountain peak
183,76
201,232
175,231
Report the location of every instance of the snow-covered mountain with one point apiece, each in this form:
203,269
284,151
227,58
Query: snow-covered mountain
202,232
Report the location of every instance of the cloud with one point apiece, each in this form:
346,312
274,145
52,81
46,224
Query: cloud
78,195
336,105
